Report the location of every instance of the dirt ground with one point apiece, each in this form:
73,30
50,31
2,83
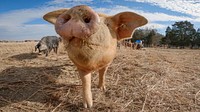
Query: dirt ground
148,80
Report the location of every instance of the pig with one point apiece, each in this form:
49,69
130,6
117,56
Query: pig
47,43
91,40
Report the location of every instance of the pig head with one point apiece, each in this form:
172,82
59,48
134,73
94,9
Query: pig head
91,40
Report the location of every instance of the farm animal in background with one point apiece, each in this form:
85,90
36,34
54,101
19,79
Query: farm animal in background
133,45
138,44
91,40
128,43
46,44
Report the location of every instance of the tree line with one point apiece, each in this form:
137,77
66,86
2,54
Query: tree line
180,35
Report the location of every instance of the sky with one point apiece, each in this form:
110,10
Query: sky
22,19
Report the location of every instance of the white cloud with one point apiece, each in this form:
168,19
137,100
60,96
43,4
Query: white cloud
18,17
165,17
23,32
152,17
155,26
63,1
13,24
190,7
67,2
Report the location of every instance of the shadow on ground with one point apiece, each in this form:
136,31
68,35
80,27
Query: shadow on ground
36,84
24,56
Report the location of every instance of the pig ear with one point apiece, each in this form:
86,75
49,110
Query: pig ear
126,22
52,16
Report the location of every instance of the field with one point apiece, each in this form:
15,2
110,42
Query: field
148,80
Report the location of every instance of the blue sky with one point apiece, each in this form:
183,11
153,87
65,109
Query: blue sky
22,19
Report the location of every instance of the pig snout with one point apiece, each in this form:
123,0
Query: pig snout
80,22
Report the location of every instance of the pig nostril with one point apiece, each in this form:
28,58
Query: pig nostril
87,20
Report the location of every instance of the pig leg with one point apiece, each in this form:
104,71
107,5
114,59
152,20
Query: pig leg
56,50
46,52
86,83
36,47
102,73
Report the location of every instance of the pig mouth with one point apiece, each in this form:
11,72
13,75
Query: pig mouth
77,38
84,41
72,38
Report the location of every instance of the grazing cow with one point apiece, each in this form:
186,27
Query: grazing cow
92,40
46,44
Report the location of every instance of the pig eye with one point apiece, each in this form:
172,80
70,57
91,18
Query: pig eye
66,18
87,20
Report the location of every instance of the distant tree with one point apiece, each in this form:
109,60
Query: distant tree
168,34
197,42
148,40
166,40
163,41
157,39
138,35
149,36
181,34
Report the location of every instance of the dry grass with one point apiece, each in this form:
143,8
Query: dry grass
137,81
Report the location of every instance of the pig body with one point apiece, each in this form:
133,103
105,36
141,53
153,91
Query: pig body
91,40
46,44
93,53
